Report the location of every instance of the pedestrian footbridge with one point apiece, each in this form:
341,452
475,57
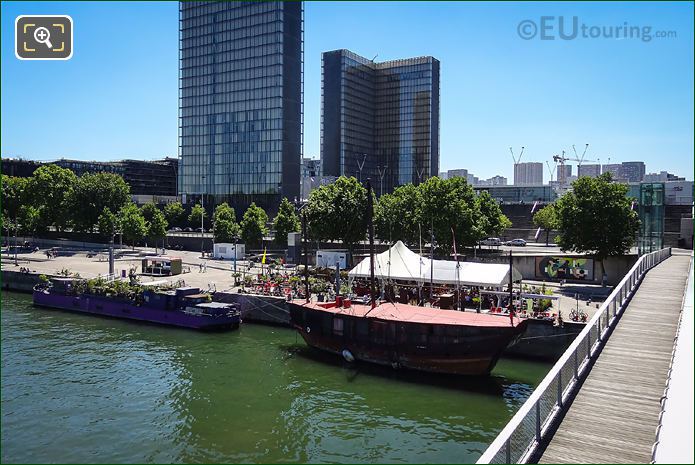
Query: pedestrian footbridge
603,401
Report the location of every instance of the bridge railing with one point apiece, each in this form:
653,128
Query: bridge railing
530,426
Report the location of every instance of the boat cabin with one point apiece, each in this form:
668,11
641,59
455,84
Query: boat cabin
161,266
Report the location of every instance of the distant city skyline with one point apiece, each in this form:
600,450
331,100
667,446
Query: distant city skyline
629,99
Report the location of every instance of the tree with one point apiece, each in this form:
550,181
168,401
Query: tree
174,213
253,225
491,220
225,228
30,219
13,197
132,223
396,216
546,218
446,205
108,223
337,212
597,218
285,222
197,216
92,193
156,226
49,190
148,211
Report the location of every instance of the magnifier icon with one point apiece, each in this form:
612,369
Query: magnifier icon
43,36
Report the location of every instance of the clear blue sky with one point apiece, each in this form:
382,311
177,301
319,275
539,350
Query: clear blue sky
629,99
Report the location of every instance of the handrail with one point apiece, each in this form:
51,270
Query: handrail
665,397
529,427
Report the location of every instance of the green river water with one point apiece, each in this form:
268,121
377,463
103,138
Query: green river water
79,388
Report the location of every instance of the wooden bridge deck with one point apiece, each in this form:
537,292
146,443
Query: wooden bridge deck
614,416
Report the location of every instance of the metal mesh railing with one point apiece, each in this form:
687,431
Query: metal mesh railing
530,426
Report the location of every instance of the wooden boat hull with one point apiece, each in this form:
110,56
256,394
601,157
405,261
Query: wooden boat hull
460,350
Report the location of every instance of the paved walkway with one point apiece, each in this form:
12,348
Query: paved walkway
614,417
676,437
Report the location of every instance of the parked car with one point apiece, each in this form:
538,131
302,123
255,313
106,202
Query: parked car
175,229
491,241
188,229
516,243
200,230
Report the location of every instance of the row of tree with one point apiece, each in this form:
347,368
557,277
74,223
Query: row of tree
447,210
54,197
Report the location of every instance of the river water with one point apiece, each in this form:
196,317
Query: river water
79,388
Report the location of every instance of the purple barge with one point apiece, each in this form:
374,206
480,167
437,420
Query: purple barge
184,307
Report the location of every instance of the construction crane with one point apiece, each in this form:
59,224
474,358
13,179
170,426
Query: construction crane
551,170
561,159
516,159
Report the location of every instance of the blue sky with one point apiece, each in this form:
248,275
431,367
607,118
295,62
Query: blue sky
629,99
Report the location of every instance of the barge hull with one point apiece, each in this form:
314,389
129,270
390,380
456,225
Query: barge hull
124,310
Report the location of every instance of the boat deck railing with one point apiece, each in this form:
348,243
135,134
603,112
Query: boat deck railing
532,424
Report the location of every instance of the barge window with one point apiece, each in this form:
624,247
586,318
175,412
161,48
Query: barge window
378,332
338,326
362,330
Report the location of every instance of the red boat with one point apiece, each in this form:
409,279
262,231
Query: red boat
401,335
407,336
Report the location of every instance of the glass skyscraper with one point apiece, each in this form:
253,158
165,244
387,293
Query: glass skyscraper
240,101
380,120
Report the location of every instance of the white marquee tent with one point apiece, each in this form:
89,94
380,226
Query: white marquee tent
401,263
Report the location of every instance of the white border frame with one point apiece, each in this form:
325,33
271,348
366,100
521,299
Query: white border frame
72,32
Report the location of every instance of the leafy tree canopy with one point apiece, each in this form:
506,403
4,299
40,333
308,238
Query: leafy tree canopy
491,219
337,212
396,216
14,192
546,218
156,225
450,204
49,190
597,218
108,223
174,213
92,193
253,225
132,223
285,222
194,219
225,225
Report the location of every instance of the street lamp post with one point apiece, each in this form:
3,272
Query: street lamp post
202,218
361,165
236,240
381,179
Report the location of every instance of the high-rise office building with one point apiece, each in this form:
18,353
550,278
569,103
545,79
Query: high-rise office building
589,170
528,173
662,176
461,172
632,171
240,100
614,169
564,172
380,120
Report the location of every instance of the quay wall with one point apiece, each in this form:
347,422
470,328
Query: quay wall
258,308
544,341
19,282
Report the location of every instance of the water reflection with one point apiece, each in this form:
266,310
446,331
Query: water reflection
78,388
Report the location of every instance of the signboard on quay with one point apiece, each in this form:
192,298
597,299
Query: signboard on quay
328,259
559,268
